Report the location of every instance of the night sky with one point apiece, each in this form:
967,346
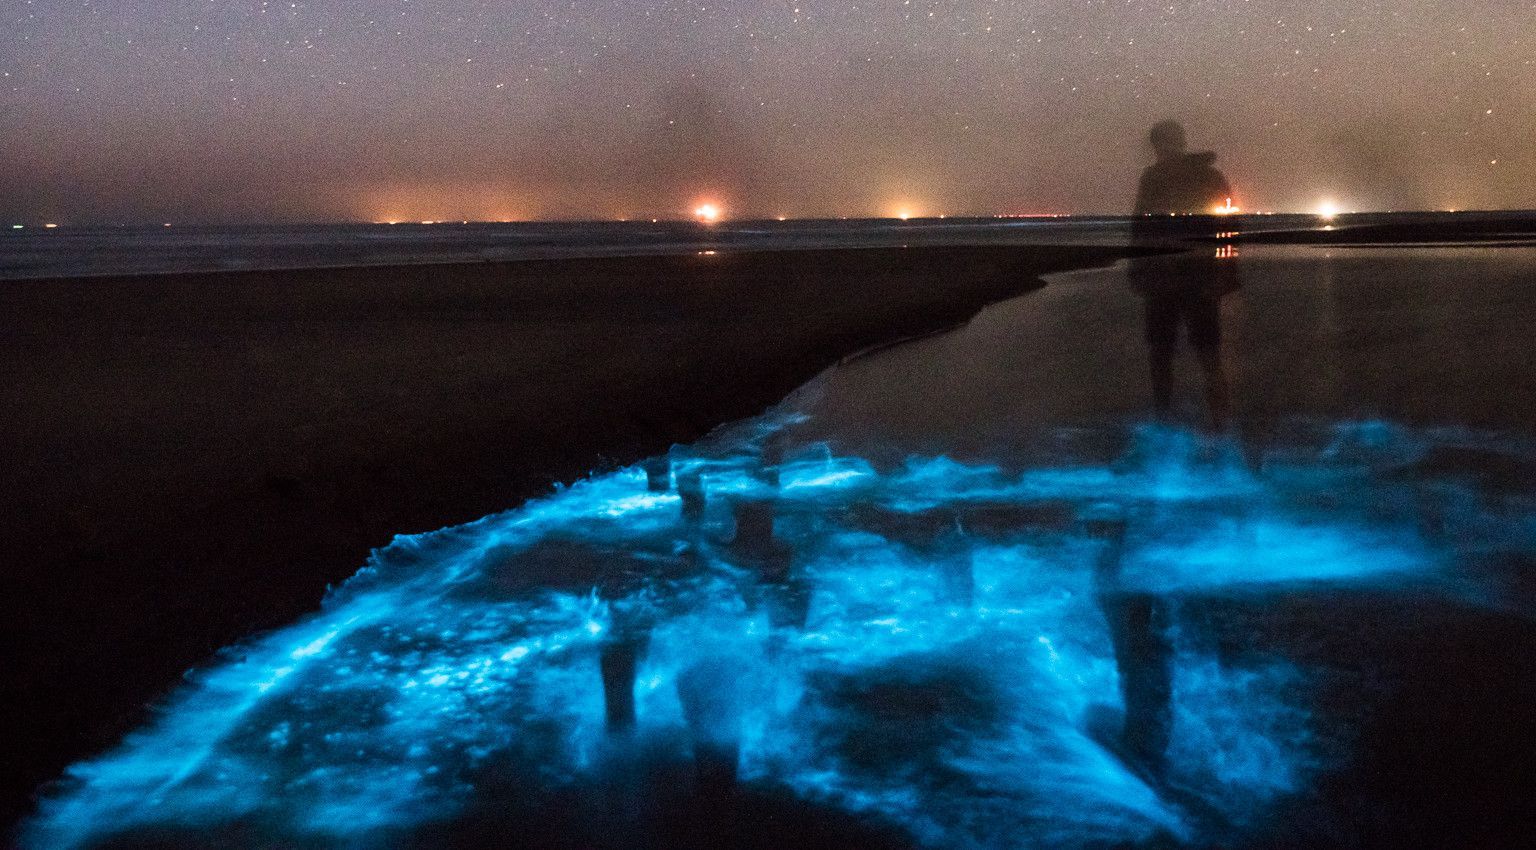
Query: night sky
250,111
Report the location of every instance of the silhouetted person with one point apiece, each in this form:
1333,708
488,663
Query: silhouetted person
1180,182
1186,293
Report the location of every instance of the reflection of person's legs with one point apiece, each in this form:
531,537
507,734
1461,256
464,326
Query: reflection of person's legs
1138,633
1205,336
1162,336
618,661
1137,624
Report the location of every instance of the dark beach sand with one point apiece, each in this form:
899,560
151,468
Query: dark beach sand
191,459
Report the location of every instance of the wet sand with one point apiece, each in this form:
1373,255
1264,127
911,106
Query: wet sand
1431,336
193,459
1432,692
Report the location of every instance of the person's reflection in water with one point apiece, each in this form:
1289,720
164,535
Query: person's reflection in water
1138,631
1185,292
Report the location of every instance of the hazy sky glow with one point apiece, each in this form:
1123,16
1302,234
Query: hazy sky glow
243,110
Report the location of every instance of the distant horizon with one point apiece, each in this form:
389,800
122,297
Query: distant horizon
726,222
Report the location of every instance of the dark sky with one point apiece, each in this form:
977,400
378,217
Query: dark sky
242,110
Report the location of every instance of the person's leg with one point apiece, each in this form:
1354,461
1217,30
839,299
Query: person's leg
1161,361
1162,318
1218,390
1204,318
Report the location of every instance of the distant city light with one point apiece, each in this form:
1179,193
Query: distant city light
1328,210
707,213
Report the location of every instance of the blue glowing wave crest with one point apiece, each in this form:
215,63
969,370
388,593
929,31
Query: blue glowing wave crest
924,647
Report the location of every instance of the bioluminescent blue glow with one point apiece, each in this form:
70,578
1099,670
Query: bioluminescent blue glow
927,646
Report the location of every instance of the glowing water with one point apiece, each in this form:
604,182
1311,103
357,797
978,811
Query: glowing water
935,659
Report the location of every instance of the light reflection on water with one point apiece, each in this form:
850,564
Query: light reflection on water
922,644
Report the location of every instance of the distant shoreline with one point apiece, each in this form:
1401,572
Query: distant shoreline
96,252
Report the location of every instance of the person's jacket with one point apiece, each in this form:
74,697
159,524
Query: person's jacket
1190,187
1186,185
